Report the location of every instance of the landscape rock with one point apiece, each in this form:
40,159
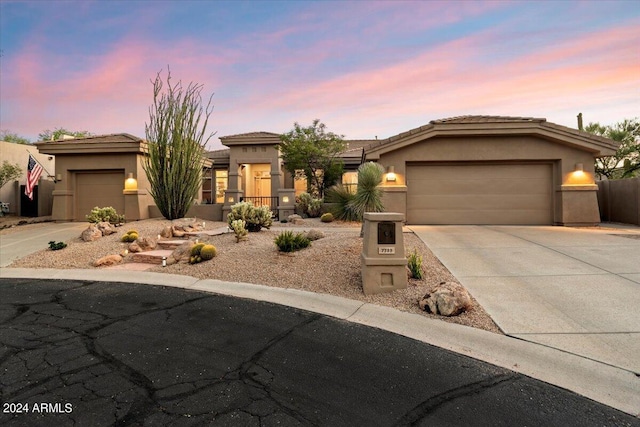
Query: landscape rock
106,228
295,219
314,234
147,243
448,299
134,247
177,233
91,234
182,251
167,232
108,260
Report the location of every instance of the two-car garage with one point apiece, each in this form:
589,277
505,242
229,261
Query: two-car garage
491,170
479,193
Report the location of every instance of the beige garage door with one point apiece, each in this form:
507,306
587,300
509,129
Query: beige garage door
98,189
479,194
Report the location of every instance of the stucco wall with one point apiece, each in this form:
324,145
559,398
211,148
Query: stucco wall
574,194
619,200
17,153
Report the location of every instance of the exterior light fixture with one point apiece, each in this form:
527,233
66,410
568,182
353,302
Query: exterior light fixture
391,174
285,199
58,177
230,199
579,167
130,183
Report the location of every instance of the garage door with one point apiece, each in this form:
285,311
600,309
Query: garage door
98,189
479,194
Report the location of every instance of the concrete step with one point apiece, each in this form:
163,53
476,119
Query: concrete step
170,244
151,257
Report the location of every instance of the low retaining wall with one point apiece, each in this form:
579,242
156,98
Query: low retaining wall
208,212
619,200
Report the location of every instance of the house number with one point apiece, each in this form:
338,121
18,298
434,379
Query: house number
386,251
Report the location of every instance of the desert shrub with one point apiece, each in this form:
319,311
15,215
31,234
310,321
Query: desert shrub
107,214
254,217
289,242
238,227
208,252
309,206
327,217
341,199
414,262
129,236
55,246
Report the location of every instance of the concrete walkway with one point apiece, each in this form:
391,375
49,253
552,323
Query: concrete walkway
18,243
572,289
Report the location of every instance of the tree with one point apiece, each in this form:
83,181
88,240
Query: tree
625,163
176,145
58,133
313,153
9,172
7,136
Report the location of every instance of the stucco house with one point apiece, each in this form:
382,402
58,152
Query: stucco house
462,170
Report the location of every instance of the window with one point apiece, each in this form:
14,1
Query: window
222,181
350,181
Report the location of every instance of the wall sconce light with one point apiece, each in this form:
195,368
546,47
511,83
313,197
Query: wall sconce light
579,167
130,183
58,177
285,199
230,199
391,174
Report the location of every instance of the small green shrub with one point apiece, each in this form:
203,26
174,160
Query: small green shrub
238,227
289,242
208,252
130,236
328,217
55,246
309,206
254,217
414,262
107,214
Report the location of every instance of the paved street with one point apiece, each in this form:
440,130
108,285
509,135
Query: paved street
92,354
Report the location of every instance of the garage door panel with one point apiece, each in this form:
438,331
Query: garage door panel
479,194
98,189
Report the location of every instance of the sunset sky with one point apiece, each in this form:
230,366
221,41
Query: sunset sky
364,68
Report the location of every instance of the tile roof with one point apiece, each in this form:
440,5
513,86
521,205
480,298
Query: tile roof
260,134
112,137
487,119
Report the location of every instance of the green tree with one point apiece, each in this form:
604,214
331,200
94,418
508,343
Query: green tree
625,163
9,172
7,136
176,145
58,133
313,153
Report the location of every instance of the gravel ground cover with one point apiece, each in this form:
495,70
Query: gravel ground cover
330,265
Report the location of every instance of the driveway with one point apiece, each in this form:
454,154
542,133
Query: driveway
21,241
573,289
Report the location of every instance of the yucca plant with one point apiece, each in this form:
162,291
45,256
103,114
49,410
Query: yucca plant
340,197
176,145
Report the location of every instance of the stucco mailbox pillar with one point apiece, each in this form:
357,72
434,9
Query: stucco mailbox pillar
383,260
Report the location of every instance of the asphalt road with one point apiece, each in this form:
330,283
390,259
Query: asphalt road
101,354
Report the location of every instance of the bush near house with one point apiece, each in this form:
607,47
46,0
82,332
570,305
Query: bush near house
254,217
308,205
106,214
239,228
289,242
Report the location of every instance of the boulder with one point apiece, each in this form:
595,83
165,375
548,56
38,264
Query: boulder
295,219
106,228
314,234
134,247
182,251
91,233
107,260
448,299
167,232
147,243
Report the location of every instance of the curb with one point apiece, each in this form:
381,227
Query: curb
603,383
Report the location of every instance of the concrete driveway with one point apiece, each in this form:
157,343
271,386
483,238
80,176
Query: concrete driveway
577,290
